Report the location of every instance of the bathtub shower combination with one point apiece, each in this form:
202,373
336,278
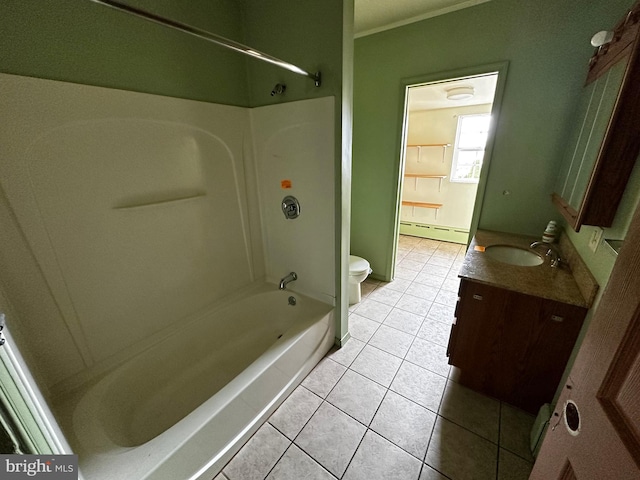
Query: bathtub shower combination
148,236
187,403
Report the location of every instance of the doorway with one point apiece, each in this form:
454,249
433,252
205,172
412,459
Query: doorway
446,128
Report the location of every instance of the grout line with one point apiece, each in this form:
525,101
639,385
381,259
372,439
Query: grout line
280,457
496,443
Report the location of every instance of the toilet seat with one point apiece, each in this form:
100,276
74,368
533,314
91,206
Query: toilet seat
358,266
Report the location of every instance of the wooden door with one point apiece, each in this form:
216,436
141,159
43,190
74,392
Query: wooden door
603,391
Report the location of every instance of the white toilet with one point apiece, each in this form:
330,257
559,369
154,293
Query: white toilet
359,269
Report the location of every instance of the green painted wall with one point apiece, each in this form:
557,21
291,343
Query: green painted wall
316,36
309,34
83,42
546,43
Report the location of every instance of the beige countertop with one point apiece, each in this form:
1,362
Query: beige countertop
540,281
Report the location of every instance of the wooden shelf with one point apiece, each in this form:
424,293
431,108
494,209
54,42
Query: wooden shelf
423,175
419,146
435,206
443,145
421,204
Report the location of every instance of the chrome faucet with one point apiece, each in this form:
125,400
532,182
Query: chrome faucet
288,279
552,252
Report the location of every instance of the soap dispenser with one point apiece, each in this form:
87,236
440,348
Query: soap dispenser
550,233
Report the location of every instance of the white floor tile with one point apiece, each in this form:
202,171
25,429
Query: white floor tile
515,426
419,385
418,257
399,285
424,291
392,341
295,465
357,396
324,377
379,459
434,331
513,467
331,438
295,412
441,261
458,453
417,305
429,473
362,328
446,297
376,365
347,353
390,297
411,264
404,423
403,320
471,410
258,456
436,270
373,310
405,273
429,355
442,313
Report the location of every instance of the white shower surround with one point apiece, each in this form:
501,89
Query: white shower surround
132,213
133,229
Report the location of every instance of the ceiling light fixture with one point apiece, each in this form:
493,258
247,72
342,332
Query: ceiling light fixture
460,93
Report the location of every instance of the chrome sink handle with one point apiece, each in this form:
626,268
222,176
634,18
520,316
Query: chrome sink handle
553,252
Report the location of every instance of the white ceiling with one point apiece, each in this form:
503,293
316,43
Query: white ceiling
434,95
372,16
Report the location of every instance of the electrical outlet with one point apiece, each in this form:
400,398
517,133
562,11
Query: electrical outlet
596,236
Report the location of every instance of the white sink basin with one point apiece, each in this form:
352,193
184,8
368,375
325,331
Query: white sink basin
514,255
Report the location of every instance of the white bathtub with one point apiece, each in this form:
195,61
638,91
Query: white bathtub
182,409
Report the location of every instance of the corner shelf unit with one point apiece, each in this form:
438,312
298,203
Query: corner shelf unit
420,146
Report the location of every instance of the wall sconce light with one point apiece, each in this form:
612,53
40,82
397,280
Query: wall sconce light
601,38
460,93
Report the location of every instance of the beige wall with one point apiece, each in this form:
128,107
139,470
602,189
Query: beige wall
428,127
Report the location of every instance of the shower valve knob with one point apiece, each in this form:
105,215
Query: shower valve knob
290,207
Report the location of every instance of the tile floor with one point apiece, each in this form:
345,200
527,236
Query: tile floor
386,405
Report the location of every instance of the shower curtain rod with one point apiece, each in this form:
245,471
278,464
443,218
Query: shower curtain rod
211,37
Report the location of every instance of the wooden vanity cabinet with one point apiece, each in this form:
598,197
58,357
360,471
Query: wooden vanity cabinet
512,346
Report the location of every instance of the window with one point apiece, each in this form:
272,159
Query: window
468,150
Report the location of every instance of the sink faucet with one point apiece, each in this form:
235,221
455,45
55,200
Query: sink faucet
552,251
288,279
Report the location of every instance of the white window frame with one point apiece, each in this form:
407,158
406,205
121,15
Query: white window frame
456,150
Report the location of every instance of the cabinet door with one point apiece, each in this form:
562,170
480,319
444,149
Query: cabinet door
537,338
475,346
585,142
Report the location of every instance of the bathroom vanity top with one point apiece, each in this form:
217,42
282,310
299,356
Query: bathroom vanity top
542,281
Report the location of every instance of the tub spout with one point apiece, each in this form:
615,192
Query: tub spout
288,279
